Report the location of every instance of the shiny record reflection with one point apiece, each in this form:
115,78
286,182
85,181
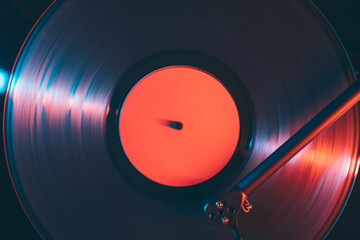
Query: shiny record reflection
284,52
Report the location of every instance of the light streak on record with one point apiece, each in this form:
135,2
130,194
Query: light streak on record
288,58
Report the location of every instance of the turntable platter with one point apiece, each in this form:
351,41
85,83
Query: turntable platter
283,56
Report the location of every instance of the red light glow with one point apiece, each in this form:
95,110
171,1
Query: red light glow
171,156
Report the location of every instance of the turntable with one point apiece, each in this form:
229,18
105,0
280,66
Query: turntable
182,120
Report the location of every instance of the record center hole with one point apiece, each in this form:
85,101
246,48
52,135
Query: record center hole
179,126
176,125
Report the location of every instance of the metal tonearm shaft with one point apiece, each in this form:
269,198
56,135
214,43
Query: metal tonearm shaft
220,215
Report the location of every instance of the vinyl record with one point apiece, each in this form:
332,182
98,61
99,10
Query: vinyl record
281,62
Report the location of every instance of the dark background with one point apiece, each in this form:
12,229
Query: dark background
17,18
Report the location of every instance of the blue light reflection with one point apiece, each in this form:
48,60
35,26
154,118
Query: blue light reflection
4,78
